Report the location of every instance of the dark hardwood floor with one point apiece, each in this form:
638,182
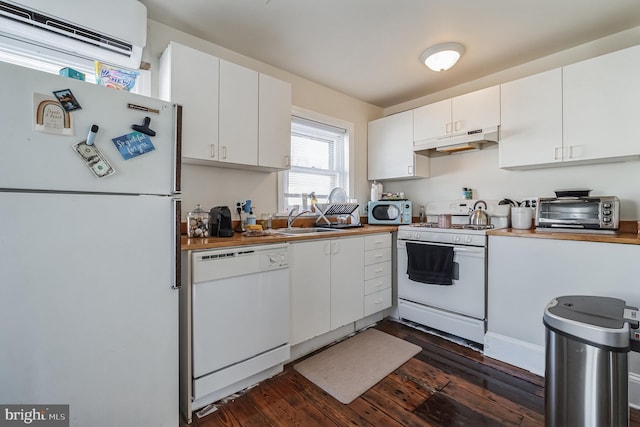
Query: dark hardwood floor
446,384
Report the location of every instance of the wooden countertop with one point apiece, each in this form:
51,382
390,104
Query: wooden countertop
238,239
628,234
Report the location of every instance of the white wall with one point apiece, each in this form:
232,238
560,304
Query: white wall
212,186
479,170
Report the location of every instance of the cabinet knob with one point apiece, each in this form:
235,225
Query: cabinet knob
213,151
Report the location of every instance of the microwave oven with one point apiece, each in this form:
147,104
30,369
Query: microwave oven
390,212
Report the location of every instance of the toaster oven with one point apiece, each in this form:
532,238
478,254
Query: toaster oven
578,213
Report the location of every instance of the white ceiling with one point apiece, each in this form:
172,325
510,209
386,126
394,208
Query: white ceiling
370,49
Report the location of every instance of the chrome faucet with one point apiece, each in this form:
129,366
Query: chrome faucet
291,220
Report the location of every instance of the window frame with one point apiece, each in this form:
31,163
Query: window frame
349,142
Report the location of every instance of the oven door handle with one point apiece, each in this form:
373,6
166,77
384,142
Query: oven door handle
468,249
465,251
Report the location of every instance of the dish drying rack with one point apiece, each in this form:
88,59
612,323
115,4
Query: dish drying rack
329,209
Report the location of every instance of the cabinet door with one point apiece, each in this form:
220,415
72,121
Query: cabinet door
531,132
476,110
309,270
432,121
238,128
190,78
347,280
601,104
274,123
390,147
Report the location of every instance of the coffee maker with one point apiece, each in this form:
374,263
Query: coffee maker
220,222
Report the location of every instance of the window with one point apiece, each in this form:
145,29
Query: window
50,64
319,159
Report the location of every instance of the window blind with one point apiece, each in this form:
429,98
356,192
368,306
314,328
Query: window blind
318,160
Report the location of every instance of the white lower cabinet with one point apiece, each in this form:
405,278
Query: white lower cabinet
327,285
377,273
337,281
309,278
525,274
347,280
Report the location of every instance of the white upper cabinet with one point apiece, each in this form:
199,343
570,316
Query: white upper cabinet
531,130
238,138
390,149
457,116
432,121
187,77
475,110
579,114
274,123
601,99
232,116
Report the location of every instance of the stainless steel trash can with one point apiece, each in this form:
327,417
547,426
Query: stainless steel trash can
586,372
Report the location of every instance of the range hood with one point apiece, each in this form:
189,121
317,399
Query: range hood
471,140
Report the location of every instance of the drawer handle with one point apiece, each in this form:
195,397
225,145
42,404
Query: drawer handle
379,270
379,301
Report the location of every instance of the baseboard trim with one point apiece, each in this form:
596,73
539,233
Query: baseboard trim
532,358
515,352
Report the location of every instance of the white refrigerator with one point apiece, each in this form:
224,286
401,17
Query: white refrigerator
89,261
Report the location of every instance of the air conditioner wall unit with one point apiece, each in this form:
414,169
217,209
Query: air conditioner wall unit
114,32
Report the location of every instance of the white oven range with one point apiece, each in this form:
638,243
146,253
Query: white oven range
432,290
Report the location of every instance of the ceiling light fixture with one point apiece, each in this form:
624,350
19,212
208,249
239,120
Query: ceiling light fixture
442,56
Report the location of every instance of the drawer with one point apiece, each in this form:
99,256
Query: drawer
377,301
377,284
377,270
377,241
377,255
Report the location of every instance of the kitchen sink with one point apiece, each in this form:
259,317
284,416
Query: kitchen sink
297,231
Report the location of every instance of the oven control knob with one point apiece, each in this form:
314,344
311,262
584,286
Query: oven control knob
468,239
456,239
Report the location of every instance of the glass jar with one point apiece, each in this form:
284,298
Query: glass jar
198,222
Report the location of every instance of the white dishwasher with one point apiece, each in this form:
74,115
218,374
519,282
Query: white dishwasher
240,304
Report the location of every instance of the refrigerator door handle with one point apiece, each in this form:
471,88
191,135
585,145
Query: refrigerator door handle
177,169
177,209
